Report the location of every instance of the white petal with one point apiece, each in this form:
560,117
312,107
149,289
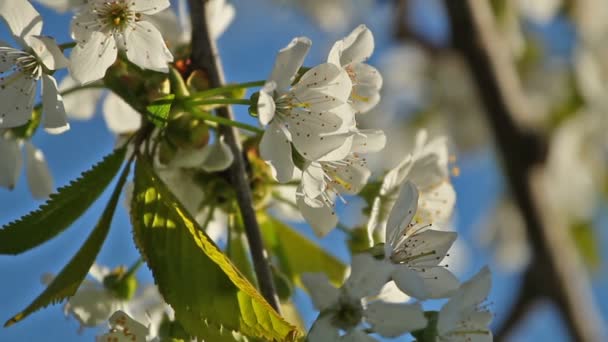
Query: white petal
390,293
17,99
440,282
39,177
288,62
342,150
146,47
323,87
129,329
149,6
120,116
313,180
433,244
357,336
351,178
8,57
266,105
275,149
219,16
323,330
358,46
410,282
62,5
48,52
10,162
321,218
322,293
98,272
54,120
366,75
476,290
22,19
79,105
392,320
217,156
364,98
368,141
402,213
89,61
92,306
437,204
368,276
286,208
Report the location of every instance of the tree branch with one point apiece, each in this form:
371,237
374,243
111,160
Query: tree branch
204,57
557,268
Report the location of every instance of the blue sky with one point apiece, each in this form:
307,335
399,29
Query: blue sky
248,48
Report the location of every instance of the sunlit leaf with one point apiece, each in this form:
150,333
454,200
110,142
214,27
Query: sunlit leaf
62,209
71,276
158,111
206,290
297,254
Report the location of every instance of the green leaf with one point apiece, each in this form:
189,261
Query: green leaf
297,254
158,111
204,288
586,243
62,209
71,276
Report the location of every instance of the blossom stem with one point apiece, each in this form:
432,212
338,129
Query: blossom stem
134,267
206,58
218,102
226,89
197,113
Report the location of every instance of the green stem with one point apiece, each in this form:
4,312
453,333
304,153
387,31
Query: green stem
218,102
226,89
196,112
134,268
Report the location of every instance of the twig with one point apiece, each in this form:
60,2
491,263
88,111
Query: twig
557,270
205,58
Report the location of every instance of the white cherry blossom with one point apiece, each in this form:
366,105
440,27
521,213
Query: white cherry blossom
347,308
416,251
102,27
123,328
427,167
350,53
39,179
324,181
463,317
313,114
21,70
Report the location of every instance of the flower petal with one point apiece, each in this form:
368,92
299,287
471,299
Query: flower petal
275,149
54,120
322,293
323,330
22,19
219,16
288,62
402,213
322,217
39,177
124,328
149,6
392,320
90,60
11,161
357,336
17,93
146,47
410,282
358,46
92,306
313,180
80,105
437,204
266,105
368,141
120,116
323,87
217,156
367,277
429,247
62,6
48,52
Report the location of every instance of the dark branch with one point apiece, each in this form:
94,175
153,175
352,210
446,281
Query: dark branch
205,57
557,269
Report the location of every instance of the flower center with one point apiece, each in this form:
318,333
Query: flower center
348,314
116,14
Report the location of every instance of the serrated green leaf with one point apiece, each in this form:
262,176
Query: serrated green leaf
158,111
71,276
297,254
201,284
62,209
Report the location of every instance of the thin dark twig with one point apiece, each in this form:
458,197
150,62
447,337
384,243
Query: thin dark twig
557,270
204,57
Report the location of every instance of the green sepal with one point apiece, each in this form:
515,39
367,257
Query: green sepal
207,292
71,276
428,334
62,209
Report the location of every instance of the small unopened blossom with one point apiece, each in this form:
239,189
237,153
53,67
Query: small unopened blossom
350,53
347,309
427,167
21,69
324,181
102,27
39,179
415,251
313,114
463,317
